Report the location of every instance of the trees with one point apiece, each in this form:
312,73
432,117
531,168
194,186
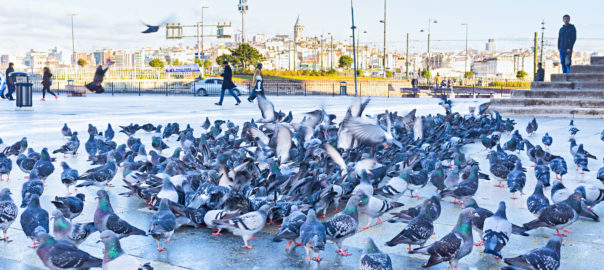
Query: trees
156,63
82,62
468,75
207,64
246,55
175,62
389,74
345,61
426,73
521,74
228,58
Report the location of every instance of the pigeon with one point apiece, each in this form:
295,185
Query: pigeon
537,201
437,177
17,148
547,140
313,235
26,164
373,258
497,231
267,109
558,215
375,208
417,232
544,258
75,233
558,166
290,229
44,166
531,127
559,192
467,187
66,131
393,190
542,173
8,212
246,225
432,204
59,254
163,224
33,217
6,165
516,179
70,206
573,131
33,186
68,176
91,145
99,176
581,160
168,191
453,246
452,178
365,185
106,219
415,180
114,256
592,194
600,175
109,133
158,144
344,224
70,147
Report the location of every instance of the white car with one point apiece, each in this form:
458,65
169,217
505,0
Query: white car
211,86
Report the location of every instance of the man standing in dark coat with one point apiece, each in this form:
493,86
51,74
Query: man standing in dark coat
227,84
10,85
566,40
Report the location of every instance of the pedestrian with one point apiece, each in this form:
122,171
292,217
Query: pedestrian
9,82
414,82
227,84
257,84
46,83
96,84
437,80
566,40
540,76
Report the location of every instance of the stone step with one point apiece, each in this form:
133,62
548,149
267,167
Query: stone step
577,77
588,85
587,69
597,60
558,93
553,102
551,111
555,85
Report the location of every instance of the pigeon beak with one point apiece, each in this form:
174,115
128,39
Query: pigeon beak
98,241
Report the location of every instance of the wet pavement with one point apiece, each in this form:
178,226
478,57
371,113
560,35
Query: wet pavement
198,249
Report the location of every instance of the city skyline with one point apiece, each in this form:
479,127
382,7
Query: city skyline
40,25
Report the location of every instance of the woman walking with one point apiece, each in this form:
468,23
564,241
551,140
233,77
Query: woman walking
46,83
257,84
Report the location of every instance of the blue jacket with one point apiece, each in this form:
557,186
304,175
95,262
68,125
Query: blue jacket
567,37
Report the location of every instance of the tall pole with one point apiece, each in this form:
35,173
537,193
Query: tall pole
331,53
354,49
321,42
407,59
542,40
535,55
242,9
384,56
73,55
466,58
202,8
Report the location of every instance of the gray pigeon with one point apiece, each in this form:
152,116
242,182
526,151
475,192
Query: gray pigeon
163,224
75,233
417,232
559,215
312,234
453,246
58,254
497,231
69,176
544,258
246,225
344,224
6,165
99,176
44,165
26,164
8,212
30,187
373,258
537,200
70,206
71,146
290,229
106,219
375,208
33,217
66,131
115,257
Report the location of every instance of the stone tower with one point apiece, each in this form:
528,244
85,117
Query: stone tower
298,30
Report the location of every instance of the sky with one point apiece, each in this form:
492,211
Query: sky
44,24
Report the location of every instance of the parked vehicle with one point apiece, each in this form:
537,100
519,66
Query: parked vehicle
212,86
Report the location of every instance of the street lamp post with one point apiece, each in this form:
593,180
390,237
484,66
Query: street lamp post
73,55
331,52
384,55
354,50
466,60
428,53
202,8
542,40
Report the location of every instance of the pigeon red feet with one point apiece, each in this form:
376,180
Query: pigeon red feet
253,238
317,259
246,246
513,197
409,248
299,244
455,201
109,185
379,220
160,249
365,227
342,252
308,257
324,216
479,243
288,245
500,185
335,211
216,232
567,231
559,234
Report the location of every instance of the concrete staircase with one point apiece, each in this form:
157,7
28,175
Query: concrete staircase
579,93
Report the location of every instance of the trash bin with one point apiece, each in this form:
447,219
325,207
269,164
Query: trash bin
343,88
23,88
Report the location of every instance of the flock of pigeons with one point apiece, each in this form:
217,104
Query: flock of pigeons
277,170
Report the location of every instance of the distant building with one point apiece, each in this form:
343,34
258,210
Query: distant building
259,38
122,59
490,46
138,59
298,30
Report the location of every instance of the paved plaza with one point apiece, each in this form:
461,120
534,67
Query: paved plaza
198,249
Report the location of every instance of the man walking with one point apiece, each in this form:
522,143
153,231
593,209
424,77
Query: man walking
566,40
10,85
227,84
